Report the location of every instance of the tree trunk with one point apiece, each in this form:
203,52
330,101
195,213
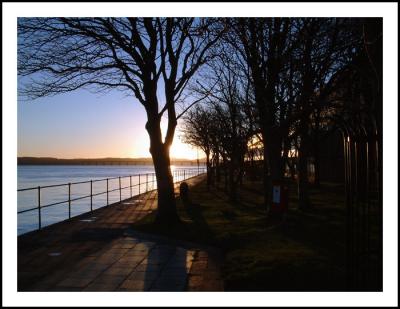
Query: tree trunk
225,175
304,200
232,181
217,167
266,175
166,209
285,154
273,170
292,168
252,166
276,162
209,170
317,178
241,170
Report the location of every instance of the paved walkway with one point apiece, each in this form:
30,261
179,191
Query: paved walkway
99,251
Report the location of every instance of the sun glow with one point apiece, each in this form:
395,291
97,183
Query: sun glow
179,150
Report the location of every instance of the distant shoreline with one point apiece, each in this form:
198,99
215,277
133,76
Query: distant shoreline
100,161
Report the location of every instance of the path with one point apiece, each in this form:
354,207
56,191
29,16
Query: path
99,251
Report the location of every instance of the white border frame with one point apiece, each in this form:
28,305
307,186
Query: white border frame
386,10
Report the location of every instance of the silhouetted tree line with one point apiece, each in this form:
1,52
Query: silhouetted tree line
288,83
281,82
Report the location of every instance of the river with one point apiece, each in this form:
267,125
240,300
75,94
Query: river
32,176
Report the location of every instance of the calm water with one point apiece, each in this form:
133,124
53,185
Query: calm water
43,175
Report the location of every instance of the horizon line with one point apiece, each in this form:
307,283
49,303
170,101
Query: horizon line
105,158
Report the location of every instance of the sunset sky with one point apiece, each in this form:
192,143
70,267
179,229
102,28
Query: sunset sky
82,124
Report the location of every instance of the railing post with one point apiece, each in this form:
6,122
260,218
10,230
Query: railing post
69,200
152,181
119,179
184,172
107,191
139,183
39,209
130,184
91,195
147,182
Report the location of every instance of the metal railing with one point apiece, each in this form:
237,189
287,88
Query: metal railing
150,178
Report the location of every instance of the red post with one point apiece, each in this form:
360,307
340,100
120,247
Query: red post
279,199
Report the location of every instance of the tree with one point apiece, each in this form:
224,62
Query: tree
197,132
292,62
265,44
323,50
135,55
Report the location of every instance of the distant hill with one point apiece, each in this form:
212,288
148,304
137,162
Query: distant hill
99,161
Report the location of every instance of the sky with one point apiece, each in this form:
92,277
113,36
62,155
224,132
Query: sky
82,124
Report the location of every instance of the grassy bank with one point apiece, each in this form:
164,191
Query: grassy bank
305,253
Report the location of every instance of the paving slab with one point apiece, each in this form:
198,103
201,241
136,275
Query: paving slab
99,251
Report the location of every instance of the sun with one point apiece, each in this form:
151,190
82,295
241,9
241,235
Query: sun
181,150
178,150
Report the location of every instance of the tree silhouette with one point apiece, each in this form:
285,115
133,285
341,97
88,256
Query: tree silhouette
228,97
265,45
197,131
135,55
293,63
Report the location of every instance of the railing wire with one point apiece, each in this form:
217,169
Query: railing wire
178,175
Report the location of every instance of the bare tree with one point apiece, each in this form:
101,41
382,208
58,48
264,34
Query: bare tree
135,55
264,44
226,87
197,131
292,63
321,54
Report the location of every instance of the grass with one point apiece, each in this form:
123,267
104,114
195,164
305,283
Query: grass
304,253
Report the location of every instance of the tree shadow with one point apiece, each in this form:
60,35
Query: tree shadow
195,214
166,269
